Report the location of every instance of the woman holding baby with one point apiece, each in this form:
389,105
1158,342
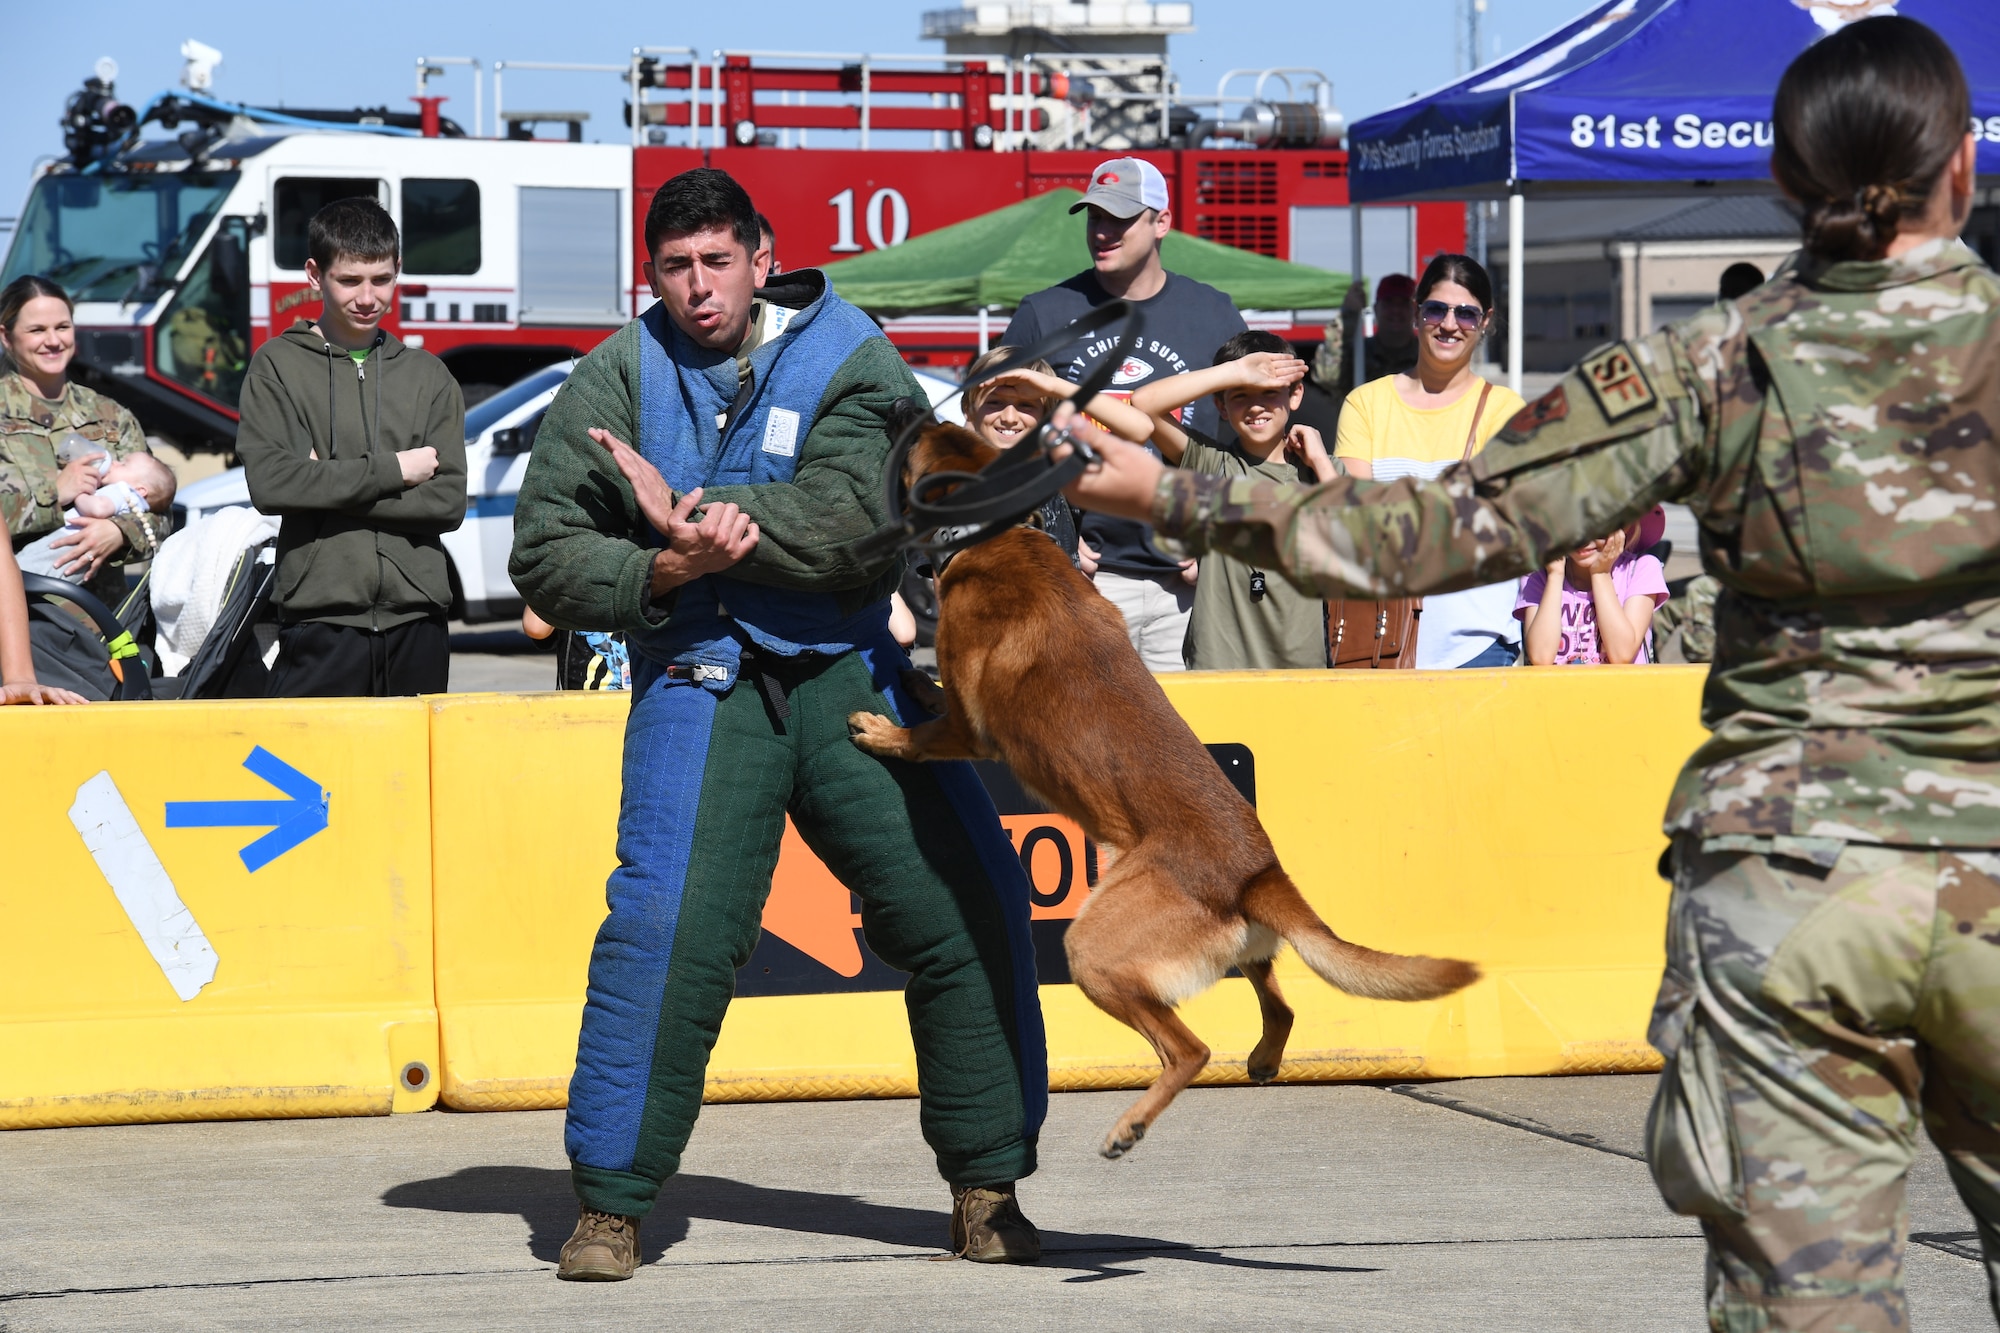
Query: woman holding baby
56,440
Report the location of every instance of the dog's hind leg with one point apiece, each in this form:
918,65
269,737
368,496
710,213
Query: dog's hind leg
1270,1050
1137,948
1182,1056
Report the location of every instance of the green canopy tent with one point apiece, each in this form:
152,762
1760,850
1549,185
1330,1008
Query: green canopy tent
999,257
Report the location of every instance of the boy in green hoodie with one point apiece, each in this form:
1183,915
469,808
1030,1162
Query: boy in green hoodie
356,442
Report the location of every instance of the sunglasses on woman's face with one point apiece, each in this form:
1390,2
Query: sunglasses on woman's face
1433,313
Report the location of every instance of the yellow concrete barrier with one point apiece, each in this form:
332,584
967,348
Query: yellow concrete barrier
215,911
1510,817
524,826
1506,816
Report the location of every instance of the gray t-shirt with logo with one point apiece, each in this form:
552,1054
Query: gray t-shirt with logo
1182,328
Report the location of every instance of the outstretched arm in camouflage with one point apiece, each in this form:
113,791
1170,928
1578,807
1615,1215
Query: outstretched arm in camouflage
1122,482
1622,432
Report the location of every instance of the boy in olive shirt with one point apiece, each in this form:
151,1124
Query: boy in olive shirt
357,442
1246,619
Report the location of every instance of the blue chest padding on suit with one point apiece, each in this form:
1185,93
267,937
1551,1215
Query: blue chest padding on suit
684,391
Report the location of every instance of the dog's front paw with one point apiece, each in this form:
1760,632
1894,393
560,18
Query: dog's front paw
877,734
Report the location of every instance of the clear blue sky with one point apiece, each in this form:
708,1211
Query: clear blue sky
347,55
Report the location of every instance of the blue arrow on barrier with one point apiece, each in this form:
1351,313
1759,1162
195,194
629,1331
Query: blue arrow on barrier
291,821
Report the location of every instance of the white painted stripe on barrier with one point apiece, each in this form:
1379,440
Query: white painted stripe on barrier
135,874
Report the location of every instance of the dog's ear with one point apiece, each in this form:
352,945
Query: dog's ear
948,443
907,412
947,447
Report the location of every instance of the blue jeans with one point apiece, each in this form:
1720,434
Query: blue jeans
1500,654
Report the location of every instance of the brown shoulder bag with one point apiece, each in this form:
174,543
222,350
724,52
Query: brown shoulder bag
1376,634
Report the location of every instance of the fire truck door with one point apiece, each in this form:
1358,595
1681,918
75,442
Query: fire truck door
202,342
570,262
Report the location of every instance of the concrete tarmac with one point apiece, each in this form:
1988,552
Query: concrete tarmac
497,656
1492,1204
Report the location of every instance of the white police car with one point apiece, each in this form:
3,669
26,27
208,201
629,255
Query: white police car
499,432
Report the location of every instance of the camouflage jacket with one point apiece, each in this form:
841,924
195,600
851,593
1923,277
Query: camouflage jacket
31,436
1693,614
1333,362
1834,434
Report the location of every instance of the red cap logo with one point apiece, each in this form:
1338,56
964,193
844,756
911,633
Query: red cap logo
1108,178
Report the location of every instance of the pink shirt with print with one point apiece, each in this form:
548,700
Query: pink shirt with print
1633,576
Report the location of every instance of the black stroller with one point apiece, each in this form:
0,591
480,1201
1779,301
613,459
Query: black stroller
83,645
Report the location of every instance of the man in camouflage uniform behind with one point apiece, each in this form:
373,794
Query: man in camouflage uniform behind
1693,615
1391,351
1833,949
33,433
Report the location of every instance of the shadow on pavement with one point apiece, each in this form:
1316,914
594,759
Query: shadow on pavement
541,1196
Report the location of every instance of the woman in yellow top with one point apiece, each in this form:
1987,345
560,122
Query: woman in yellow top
1417,424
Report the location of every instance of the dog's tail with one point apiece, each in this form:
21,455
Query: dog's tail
1273,901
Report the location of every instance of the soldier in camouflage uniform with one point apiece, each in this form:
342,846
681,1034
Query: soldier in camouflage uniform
1391,351
1833,965
1693,614
39,436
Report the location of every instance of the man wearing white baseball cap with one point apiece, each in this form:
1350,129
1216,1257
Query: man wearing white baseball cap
1129,213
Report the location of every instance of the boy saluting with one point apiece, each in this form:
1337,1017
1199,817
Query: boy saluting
356,441
1246,619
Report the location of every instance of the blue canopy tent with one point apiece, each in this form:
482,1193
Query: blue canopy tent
1632,97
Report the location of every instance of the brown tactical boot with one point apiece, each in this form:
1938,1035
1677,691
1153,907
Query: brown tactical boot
604,1248
987,1226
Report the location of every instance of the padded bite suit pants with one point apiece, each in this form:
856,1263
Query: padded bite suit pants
708,781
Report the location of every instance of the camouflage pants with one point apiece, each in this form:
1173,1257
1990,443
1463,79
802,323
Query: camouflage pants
1809,1018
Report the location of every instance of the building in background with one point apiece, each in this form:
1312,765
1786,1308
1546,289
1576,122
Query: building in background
1605,268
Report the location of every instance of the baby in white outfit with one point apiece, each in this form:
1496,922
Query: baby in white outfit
135,484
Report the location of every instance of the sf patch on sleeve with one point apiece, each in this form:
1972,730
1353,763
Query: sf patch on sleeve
1617,382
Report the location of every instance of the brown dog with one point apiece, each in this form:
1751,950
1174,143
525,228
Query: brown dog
1038,672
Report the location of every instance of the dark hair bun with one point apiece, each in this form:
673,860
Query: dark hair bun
1865,123
1856,227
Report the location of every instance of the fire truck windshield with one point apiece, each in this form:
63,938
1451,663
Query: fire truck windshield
92,233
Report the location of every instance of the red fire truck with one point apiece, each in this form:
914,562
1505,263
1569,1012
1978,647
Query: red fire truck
185,250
